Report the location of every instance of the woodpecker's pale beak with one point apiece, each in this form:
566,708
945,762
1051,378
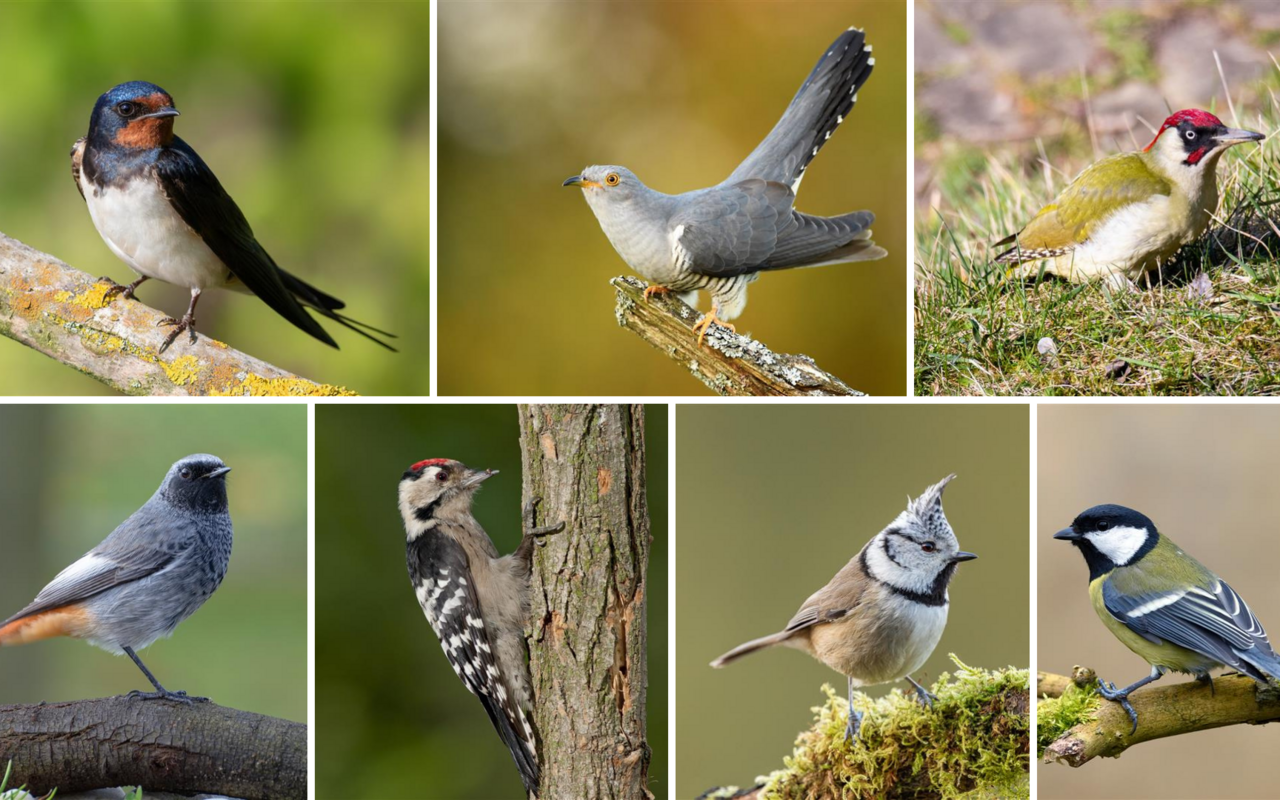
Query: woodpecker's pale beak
1232,136
478,477
963,556
1067,534
218,472
161,112
578,180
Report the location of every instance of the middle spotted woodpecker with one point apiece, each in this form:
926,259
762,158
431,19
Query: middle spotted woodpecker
477,602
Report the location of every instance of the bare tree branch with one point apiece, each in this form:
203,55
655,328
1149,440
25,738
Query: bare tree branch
589,644
1162,711
729,364
159,745
66,314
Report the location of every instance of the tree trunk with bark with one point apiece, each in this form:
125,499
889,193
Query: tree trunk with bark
588,643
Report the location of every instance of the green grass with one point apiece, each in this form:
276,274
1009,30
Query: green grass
1208,324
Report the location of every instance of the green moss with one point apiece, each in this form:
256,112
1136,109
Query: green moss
1057,715
975,739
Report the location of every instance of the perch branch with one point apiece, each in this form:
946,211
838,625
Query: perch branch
162,746
1162,711
728,363
65,314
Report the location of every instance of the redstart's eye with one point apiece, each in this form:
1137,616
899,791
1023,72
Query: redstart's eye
612,179
442,476
126,109
928,547
185,473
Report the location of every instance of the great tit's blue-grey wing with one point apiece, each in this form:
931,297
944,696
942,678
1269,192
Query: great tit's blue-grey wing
143,545
1214,621
823,101
198,197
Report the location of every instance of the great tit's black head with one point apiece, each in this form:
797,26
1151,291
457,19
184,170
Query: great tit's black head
428,484
197,482
1110,536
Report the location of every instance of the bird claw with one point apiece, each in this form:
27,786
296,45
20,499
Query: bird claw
187,323
854,725
925,697
124,291
529,512
164,694
1110,692
650,291
703,325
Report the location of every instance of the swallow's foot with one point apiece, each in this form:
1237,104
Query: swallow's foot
650,291
701,326
925,696
1109,691
125,292
187,323
165,694
854,725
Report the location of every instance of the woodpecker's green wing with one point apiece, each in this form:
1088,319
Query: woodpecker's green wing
1097,193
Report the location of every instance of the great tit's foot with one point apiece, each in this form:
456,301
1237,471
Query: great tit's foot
1110,692
703,325
854,725
651,290
165,694
123,291
187,323
1213,692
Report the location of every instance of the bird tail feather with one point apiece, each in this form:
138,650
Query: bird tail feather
750,647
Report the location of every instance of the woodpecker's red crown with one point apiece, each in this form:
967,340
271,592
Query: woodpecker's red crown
1198,118
430,462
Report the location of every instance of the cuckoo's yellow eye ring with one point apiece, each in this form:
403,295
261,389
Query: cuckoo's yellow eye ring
612,179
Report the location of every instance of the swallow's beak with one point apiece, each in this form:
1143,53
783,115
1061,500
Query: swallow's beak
218,472
1232,136
578,180
167,111
478,477
1067,534
963,556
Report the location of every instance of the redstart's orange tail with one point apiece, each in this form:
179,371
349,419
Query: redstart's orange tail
65,621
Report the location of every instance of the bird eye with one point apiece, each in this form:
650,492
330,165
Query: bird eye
612,179
928,547
1104,525
186,473
126,109
1191,136
442,476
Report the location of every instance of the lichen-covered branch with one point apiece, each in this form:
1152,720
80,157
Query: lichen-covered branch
162,746
66,314
589,643
976,742
1078,725
728,363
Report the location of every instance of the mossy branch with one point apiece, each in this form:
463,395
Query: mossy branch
201,748
1077,725
976,742
66,314
728,363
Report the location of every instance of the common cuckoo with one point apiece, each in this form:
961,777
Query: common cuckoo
720,239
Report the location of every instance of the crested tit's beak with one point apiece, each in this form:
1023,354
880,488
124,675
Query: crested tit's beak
963,556
1237,136
168,111
217,472
578,180
1069,534
477,477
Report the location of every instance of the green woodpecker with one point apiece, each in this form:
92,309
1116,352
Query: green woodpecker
1130,213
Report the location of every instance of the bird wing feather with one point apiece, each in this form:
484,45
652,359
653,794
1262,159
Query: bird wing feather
837,600
77,158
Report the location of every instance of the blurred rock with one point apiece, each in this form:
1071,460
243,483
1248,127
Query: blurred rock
1121,109
935,49
1189,75
1016,37
1263,15
969,107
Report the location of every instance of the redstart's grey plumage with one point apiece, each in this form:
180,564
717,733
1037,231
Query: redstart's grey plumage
880,617
476,602
150,574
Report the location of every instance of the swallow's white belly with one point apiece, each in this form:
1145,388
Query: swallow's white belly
143,230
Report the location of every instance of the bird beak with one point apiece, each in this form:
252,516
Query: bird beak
218,472
963,556
478,477
1237,136
168,111
1068,534
578,180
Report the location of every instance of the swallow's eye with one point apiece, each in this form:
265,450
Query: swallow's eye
928,547
1104,525
126,109
442,476
186,473
1191,136
612,179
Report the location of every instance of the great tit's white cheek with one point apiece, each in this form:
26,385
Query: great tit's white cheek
1118,544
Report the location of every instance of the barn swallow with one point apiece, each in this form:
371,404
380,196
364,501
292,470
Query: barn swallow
162,211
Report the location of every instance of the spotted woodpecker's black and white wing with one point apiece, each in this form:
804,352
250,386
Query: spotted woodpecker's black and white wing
824,100
438,567
1212,620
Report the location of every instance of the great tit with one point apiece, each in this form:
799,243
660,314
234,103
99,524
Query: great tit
1163,604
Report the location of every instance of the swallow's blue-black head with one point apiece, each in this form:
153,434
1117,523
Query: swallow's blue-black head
134,115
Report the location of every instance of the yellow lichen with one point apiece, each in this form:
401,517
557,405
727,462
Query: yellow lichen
258,386
93,298
182,371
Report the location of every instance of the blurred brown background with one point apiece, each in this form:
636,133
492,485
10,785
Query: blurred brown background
530,93
1205,475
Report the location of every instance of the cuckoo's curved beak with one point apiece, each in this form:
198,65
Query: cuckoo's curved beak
578,180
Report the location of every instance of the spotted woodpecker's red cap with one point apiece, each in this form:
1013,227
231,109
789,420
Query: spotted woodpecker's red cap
1201,119
430,462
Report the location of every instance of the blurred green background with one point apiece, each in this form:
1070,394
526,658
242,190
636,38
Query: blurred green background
774,501
530,93
69,474
1205,475
393,720
314,117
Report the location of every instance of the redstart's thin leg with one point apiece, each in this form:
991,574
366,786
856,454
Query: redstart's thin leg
160,692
